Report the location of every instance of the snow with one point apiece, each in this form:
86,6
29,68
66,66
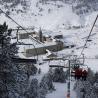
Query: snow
61,91
34,44
46,20
58,21
93,64
90,18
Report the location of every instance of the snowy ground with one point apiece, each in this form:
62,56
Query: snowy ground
61,88
75,36
55,21
61,91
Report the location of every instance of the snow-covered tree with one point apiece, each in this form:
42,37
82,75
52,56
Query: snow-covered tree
88,88
32,91
46,85
90,76
29,69
7,71
13,80
59,75
96,77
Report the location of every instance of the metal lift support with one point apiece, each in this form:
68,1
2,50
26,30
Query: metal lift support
71,62
69,71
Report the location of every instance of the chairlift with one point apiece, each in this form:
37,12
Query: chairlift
79,73
79,70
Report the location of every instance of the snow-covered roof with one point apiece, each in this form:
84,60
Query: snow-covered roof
28,31
37,45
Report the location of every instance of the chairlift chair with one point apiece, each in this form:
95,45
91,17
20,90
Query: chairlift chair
79,69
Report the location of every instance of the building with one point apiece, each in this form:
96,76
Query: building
41,49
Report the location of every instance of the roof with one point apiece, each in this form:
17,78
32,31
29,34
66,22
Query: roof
24,60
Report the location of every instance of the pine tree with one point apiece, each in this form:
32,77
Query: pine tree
90,76
89,88
13,80
39,71
32,92
59,75
96,77
7,51
47,83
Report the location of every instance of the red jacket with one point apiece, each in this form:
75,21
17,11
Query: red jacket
78,72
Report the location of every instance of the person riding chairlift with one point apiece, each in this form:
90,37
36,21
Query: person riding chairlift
78,73
84,75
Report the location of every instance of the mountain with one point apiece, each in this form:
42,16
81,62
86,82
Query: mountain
48,14
78,6
71,18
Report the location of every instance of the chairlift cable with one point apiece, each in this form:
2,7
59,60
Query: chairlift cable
88,36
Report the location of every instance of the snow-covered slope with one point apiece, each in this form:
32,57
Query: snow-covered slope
50,15
53,16
57,17
47,14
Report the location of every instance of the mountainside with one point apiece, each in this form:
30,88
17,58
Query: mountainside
78,6
55,17
48,14
71,19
